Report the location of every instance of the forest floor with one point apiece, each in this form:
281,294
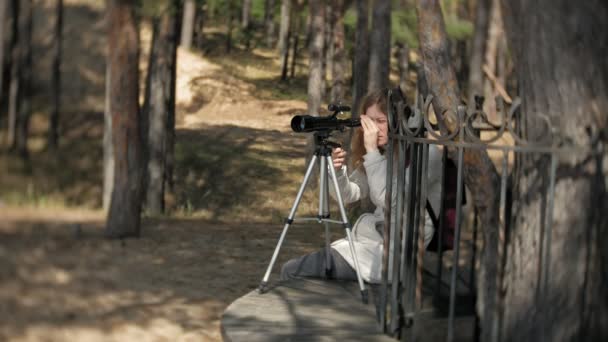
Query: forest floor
237,172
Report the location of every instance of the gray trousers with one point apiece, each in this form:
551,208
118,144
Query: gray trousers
313,265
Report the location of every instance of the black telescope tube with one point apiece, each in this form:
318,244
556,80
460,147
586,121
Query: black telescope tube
308,123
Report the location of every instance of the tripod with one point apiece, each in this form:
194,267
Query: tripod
323,148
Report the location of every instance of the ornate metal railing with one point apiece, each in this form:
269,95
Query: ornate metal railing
404,294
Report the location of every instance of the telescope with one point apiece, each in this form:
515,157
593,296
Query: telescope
309,123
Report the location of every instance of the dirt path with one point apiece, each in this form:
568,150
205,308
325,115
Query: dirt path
60,280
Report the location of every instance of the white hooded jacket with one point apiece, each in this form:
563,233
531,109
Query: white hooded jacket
368,242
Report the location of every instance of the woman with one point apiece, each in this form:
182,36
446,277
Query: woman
368,179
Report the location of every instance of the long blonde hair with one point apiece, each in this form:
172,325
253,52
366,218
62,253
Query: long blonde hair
378,97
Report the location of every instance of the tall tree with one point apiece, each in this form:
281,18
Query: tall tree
296,40
478,48
559,49
159,102
480,175
123,54
338,69
315,77
53,135
403,61
269,22
284,27
361,62
3,10
380,45
494,37
21,74
246,14
188,24
108,149
14,81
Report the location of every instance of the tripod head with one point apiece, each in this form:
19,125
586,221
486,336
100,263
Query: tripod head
323,145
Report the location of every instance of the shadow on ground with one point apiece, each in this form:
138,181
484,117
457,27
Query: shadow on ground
62,280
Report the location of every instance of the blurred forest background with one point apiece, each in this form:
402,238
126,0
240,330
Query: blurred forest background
169,120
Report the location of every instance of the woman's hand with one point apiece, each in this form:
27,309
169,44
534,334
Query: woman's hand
370,134
338,156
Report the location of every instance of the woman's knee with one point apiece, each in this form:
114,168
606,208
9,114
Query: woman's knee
289,269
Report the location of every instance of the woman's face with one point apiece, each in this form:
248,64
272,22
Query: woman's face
381,121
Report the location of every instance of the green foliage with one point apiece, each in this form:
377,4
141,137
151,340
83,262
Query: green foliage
457,28
404,27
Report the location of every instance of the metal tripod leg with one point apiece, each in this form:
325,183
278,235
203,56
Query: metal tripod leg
288,222
324,212
347,227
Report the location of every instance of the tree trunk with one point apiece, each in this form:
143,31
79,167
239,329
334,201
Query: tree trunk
269,22
108,150
478,49
495,35
24,97
53,135
403,58
284,29
338,69
480,175
229,30
315,77
199,26
3,16
246,14
188,24
559,49
123,53
294,53
361,62
160,102
380,45
285,58
15,82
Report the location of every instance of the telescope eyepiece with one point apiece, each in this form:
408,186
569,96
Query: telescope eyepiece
338,108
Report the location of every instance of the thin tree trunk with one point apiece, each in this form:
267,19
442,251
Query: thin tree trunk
108,150
559,48
229,31
403,58
3,16
338,69
246,14
315,76
361,64
198,26
294,53
188,24
480,175
53,137
269,22
285,58
15,82
123,53
478,49
159,103
25,71
285,27
495,34
380,45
